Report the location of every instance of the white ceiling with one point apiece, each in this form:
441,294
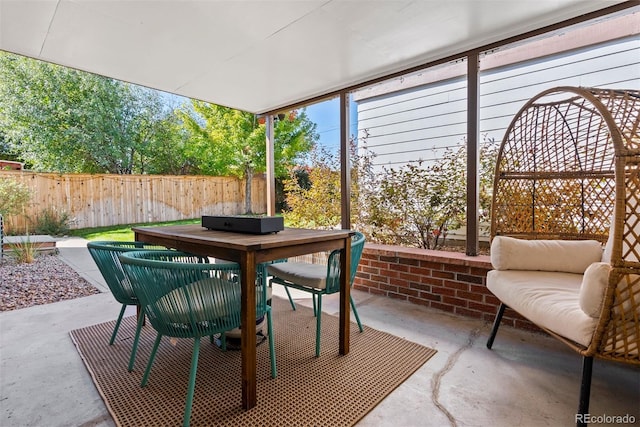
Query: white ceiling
261,55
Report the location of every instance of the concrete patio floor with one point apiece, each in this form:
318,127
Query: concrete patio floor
528,379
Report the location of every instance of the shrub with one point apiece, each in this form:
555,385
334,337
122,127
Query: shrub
52,222
414,205
25,251
14,196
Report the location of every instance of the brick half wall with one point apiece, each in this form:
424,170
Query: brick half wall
447,281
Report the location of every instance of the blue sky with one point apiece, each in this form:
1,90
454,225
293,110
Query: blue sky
327,117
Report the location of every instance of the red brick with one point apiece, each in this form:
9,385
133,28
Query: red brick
457,268
421,271
443,274
443,291
420,286
367,283
399,282
432,281
381,265
456,285
469,296
479,289
432,265
381,279
366,269
408,261
409,277
492,299
429,296
477,271
398,267
409,292
469,279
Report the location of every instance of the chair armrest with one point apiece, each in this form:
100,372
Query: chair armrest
569,256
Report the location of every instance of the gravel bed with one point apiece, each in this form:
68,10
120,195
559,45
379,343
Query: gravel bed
48,279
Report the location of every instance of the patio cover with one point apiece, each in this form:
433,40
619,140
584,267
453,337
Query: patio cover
259,56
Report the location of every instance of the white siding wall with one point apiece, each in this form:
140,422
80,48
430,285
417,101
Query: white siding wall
418,123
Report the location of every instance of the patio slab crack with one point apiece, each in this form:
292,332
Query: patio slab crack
437,378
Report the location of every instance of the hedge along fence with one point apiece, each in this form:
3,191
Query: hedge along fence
103,200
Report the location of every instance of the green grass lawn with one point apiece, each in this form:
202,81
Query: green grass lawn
122,233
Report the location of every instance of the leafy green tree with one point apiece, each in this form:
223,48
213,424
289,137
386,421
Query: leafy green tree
60,119
224,141
5,148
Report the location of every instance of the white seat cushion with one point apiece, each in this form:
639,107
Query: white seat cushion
548,299
301,273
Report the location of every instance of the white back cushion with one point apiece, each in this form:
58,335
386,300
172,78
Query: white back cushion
570,256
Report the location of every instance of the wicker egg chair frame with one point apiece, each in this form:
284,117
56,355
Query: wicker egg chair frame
569,168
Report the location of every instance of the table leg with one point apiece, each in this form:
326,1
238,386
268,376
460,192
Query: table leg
248,329
139,313
345,292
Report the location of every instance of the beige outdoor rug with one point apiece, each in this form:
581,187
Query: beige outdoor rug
332,390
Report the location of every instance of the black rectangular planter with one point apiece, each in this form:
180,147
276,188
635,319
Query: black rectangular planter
244,224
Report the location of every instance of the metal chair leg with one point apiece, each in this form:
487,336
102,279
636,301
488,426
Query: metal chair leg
134,350
318,325
355,313
293,305
192,382
115,328
496,325
585,391
315,309
152,357
272,350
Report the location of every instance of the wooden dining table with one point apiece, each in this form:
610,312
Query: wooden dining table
249,250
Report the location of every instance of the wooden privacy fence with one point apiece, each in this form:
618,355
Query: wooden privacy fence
102,200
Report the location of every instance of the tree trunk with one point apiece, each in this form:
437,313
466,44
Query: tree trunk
247,186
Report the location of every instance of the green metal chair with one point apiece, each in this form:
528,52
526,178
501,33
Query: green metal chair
183,296
105,254
318,279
